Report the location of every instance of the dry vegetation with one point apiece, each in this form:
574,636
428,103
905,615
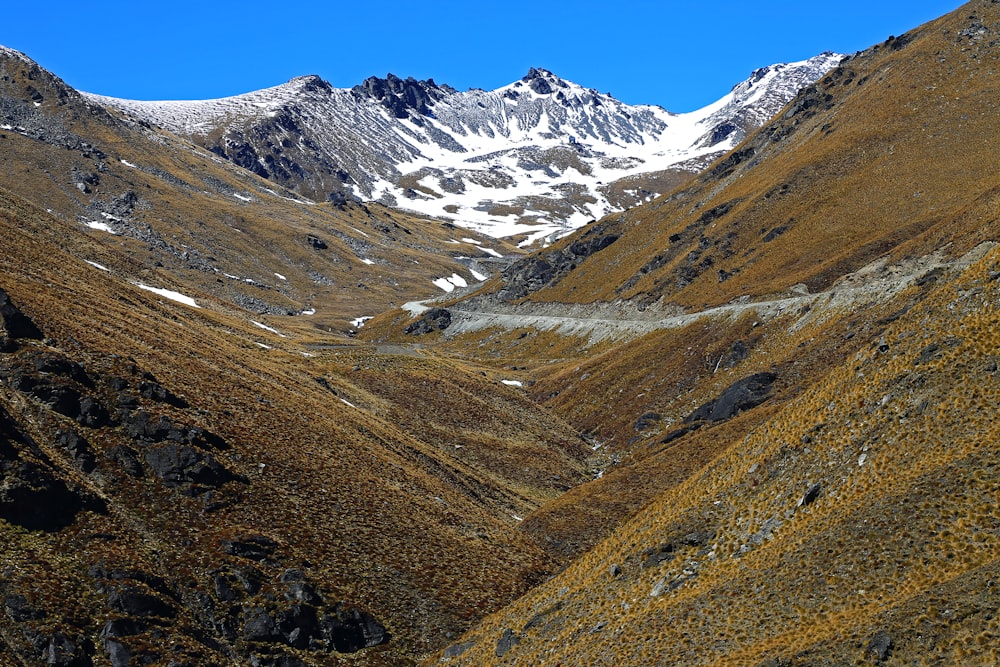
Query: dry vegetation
849,517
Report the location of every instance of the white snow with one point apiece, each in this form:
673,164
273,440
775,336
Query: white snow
359,322
449,283
365,260
267,328
100,226
242,197
513,383
348,403
169,294
128,164
96,265
280,277
478,276
308,311
489,251
444,283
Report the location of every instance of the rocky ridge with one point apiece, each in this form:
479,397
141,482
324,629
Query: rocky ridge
531,159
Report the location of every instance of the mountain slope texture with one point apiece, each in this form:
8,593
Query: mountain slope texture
748,422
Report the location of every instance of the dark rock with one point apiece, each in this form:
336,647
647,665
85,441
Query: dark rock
250,579
435,319
298,625
63,651
456,650
302,592
14,324
31,497
929,353
615,570
255,547
316,242
132,601
653,557
647,421
78,447
127,459
775,233
157,392
51,363
880,647
546,268
741,395
259,626
350,630
182,464
122,627
118,654
92,414
676,434
811,494
224,588
507,641
20,610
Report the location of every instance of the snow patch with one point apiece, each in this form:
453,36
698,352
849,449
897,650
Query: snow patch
449,283
267,328
169,294
513,383
359,322
96,265
100,226
280,277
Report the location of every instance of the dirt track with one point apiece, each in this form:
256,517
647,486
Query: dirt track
597,322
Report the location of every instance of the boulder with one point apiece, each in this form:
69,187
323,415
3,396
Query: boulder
741,395
350,630
880,647
507,641
14,324
435,319
133,601
178,465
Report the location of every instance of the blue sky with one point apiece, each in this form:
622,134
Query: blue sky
680,55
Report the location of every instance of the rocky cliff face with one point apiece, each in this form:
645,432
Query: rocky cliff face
532,159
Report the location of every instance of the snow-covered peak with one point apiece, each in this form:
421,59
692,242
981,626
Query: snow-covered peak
11,53
537,157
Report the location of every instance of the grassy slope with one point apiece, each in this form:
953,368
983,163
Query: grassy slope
191,223
358,479
901,539
891,169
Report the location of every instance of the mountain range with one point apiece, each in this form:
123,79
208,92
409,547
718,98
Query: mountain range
530,160
749,422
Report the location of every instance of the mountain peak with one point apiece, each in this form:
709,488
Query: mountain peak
542,81
400,96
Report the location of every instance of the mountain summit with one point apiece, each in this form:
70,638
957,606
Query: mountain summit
532,159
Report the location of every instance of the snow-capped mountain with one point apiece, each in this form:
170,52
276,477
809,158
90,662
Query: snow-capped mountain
532,159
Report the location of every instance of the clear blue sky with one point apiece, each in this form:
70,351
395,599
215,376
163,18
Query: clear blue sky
680,55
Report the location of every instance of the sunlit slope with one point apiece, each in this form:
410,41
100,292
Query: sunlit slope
194,218
857,523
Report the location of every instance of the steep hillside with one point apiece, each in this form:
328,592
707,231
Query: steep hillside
788,366
531,159
192,469
857,523
190,218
